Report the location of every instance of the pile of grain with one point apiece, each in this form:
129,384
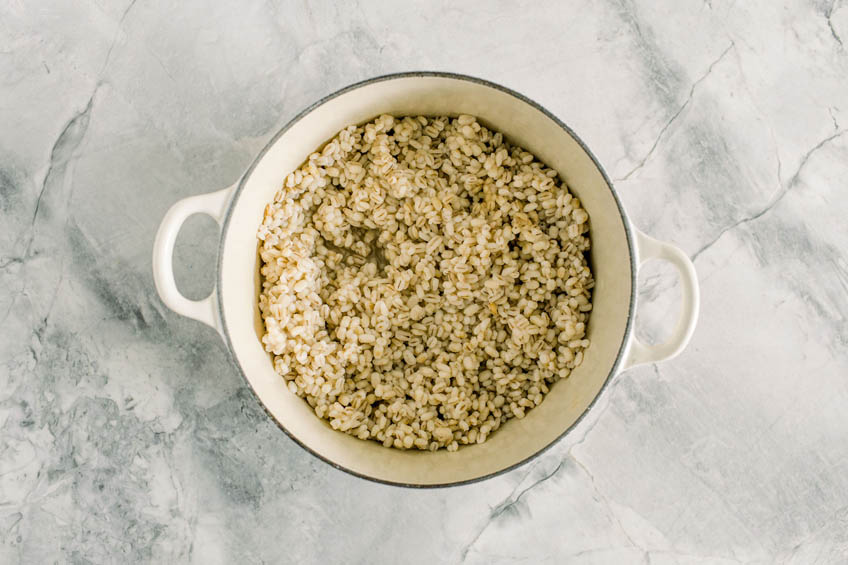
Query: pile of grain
424,281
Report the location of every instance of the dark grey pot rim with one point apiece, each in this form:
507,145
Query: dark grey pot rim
429,74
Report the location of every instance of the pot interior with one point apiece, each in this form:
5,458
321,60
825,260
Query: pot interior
524,124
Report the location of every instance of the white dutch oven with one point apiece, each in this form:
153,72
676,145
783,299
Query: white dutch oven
617,251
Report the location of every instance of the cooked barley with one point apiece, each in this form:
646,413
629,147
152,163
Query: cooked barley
424,281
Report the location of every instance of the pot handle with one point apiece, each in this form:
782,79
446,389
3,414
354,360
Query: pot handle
640,353
212,204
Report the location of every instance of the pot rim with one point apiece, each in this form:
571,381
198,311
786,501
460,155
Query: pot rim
428,74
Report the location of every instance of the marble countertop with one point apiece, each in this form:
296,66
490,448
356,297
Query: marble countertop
126,432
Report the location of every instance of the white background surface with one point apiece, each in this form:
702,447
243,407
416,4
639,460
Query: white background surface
126,433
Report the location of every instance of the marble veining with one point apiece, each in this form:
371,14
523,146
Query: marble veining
126,432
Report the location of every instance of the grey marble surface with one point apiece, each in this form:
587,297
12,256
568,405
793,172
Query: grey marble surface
126,432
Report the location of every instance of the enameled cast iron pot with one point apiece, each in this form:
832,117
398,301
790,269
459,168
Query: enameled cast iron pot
617,251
